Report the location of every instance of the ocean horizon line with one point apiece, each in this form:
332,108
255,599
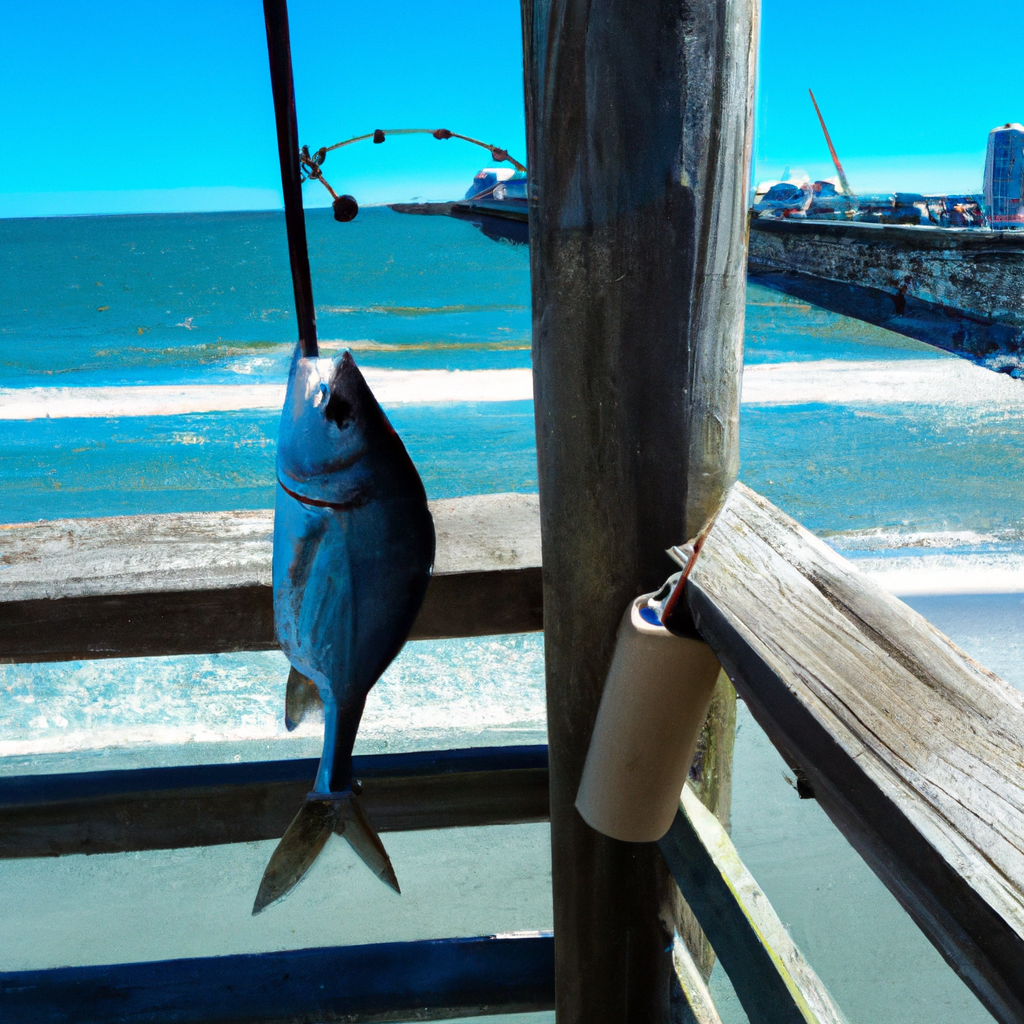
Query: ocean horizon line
198,199
212,211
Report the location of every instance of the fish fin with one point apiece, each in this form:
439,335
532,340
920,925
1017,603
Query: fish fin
352,823
295,853
301,695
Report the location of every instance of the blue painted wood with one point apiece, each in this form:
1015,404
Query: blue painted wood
204,805
386,981
32,790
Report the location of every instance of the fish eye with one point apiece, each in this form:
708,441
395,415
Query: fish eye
339,412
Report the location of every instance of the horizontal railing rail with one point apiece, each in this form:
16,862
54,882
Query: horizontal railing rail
911,747
200,583
154,808
394,981
206,805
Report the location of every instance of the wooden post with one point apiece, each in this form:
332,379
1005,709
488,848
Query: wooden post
638,119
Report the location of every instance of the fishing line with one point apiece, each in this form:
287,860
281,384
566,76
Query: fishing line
345,206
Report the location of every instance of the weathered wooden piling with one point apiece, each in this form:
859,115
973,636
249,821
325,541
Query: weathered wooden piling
638,119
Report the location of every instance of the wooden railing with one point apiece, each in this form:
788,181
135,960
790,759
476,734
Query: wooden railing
192,583
771,978
910,747
394,981
147,585
207,805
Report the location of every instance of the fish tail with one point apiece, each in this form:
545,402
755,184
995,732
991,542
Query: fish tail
301,695
352,823
309,831
299,847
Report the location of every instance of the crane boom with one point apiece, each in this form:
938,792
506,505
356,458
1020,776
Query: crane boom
832,149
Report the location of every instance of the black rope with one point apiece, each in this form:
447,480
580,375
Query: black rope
275,13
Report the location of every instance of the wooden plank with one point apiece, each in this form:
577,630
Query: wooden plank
206,805
711,777
914,750
695,1005
638,128
908,278
396,981
191,583
772,979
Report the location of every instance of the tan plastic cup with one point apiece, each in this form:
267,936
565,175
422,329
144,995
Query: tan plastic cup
655,700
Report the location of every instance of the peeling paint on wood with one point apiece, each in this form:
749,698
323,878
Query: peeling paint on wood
773,981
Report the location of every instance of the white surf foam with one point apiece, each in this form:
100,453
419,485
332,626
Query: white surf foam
942,382
946,574
910,563
157,400
392,387
890,539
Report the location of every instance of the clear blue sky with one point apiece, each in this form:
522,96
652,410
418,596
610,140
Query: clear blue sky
120,106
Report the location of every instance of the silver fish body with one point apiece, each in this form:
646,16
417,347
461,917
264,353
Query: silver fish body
353,554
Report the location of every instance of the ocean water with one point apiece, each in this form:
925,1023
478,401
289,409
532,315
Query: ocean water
208,297
899,456
59,468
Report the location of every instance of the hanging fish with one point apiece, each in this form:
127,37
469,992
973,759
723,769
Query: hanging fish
353,554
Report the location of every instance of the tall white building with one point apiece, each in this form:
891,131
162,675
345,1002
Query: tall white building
1004,177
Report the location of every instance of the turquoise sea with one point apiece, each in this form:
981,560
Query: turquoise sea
920,478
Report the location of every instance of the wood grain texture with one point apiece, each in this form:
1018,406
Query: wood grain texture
960,290
191,583
394,981
207,805
772,979
914,750
638,117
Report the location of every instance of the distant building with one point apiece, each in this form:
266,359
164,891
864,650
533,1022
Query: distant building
1004,177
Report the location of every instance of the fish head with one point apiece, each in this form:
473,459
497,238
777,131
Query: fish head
329,423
